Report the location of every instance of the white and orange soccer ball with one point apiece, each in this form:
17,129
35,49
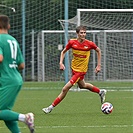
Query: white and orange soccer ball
107,108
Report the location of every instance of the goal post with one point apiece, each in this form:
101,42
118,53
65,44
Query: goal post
117,55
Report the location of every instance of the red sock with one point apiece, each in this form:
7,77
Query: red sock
56,101
95,89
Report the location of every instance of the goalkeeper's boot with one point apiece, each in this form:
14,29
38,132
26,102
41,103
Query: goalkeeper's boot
29,121
47,110
102,94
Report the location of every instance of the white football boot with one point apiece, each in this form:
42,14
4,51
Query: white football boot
29,121
102,94
47,110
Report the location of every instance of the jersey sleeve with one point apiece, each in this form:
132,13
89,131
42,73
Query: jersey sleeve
93,45
69,44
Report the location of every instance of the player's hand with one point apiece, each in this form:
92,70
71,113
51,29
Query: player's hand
98,69
62,67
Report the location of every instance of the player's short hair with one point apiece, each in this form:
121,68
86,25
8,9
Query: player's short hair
81,27
4,22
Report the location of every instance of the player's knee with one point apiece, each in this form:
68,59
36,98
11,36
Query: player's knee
65,90
81,86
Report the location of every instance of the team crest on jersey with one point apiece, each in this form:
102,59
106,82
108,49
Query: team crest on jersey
85,47
75,45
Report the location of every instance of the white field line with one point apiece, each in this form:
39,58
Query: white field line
104,126
77,89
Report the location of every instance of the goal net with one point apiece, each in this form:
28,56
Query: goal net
50,44
112,31
102,19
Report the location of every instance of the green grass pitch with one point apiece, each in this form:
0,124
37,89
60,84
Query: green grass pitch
79,112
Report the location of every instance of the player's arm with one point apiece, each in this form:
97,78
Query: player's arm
62,56
1,55
1,58
21,66
20,60
98,68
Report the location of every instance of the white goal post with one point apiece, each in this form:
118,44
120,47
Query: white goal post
117,55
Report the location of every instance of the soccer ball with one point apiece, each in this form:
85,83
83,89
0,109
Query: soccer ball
107,108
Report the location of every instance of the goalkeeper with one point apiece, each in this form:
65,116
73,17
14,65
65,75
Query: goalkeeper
81,52
11,61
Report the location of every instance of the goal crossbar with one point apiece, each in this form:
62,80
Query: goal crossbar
105,10
88,31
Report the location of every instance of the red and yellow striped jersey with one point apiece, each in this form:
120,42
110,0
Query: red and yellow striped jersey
81,54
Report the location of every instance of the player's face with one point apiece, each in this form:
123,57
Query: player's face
82,34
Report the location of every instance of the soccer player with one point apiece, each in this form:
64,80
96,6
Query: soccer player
81,52
11,61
